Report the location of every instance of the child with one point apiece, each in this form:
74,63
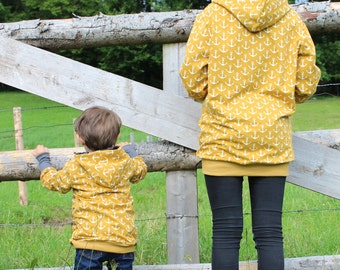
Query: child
102,206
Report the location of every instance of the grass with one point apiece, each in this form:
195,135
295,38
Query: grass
37,235
317,114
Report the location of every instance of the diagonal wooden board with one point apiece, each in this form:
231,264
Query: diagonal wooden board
316,167
171,117
77,85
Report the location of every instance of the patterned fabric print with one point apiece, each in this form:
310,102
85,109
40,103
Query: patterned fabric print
254,78
102,203
258,14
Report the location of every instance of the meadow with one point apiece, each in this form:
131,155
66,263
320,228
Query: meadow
37,235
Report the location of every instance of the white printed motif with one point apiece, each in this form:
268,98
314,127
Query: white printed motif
102,205
250,62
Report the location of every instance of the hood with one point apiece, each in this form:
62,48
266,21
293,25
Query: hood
256,15
102,166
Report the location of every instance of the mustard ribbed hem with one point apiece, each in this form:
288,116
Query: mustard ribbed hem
102,246
223,168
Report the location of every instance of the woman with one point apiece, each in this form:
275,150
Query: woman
249,62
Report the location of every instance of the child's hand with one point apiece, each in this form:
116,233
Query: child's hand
39,150
121,144
128,148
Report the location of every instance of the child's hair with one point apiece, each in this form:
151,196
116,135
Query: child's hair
98,127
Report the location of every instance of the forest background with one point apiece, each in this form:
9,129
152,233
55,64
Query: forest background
142,63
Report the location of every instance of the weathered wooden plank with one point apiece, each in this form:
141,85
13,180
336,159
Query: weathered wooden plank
316,167
173,57
182,217
19,145
103,30
159,156
181,186
329,137
151,27
77,85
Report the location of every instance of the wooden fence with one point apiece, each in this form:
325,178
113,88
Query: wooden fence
316,167
167,114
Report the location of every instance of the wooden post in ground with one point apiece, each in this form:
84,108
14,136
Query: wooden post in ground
181,186
75,136
19,144
316,167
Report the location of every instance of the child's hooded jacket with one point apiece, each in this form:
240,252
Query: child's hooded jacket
249,62
102,204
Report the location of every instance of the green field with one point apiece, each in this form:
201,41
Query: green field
37,235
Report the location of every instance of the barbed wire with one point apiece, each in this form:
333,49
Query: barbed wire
63,224
328,84
11,133
35,108
64,106
31,127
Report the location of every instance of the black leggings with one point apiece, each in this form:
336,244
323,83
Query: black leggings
266,194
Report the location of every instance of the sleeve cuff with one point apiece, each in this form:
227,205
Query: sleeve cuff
44,161
130,150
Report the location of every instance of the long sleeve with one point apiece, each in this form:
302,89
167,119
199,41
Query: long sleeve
51,178
308,74
44,161
138,169
54,180
194,70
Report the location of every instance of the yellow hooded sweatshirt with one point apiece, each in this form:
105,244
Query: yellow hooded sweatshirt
249,62
102,204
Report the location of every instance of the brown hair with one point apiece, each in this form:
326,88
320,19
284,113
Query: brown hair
98,127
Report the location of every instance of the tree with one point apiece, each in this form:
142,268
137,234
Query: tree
328,55
139,62
171,5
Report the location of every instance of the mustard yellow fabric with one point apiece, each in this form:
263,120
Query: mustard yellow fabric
249,63
102,205
223,168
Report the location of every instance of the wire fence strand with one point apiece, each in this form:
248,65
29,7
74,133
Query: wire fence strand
63,224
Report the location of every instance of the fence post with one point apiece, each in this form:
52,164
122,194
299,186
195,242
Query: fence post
75,136
19,145
181,186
